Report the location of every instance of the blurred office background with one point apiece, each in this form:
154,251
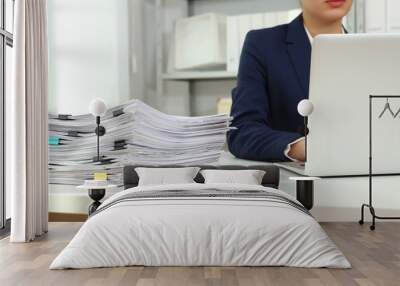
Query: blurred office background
146,49
179,56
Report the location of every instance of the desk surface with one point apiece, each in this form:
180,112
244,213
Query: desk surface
228,159
292,167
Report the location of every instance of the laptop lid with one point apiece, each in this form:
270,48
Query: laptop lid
345,71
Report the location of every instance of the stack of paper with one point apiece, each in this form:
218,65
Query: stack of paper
135,134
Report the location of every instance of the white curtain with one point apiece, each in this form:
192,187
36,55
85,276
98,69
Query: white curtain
26,128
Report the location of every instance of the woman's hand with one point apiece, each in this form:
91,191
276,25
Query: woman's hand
298,151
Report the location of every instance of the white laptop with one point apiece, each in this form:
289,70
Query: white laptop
345,70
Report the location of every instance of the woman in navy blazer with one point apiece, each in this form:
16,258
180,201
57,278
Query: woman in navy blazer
273,78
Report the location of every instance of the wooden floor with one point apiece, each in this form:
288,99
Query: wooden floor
375,257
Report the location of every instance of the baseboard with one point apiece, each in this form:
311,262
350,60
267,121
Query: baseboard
67,217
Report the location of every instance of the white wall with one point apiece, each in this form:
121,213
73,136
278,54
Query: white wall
88,53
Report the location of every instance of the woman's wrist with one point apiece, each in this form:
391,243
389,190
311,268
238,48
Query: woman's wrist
298,150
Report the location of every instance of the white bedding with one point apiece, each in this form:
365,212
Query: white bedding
205,231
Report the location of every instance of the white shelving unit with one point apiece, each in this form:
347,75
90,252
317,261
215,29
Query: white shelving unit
199,75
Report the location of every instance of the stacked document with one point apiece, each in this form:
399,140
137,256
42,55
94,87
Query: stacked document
135,134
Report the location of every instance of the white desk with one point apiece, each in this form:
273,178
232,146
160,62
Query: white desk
337,199
228,159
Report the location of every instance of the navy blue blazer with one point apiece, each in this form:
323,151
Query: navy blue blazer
273,77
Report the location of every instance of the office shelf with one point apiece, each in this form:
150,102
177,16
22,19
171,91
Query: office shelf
199,75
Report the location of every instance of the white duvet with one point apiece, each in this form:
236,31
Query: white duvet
200,232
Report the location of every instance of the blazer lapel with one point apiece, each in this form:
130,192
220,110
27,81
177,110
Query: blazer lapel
299,50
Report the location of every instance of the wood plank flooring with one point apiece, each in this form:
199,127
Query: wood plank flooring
375,257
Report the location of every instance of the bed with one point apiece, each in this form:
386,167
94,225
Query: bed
198,224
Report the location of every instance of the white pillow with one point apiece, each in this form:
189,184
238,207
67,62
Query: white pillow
166,176
247,177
